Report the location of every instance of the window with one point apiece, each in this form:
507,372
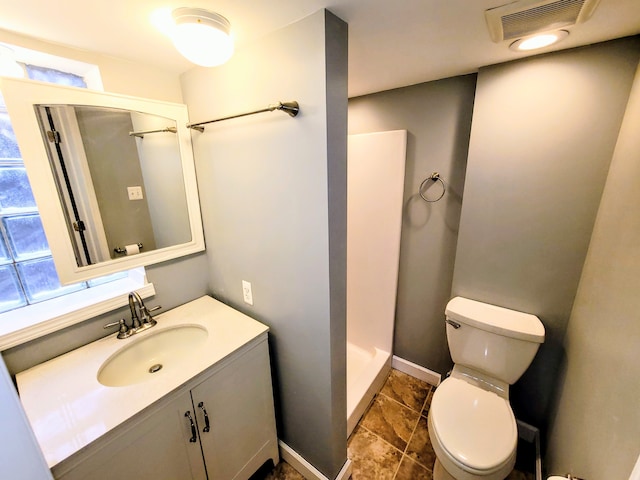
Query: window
51,75
27,273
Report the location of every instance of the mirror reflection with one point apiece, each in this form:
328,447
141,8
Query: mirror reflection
119,178
113,176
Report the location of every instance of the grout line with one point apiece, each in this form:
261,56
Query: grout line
378,436
414,431
415,427
395,474
402,403
403,453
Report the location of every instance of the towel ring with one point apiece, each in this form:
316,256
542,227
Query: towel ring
435,177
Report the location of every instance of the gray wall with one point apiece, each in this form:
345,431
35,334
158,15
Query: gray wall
112,157
437,116
543,134
596,428
273,196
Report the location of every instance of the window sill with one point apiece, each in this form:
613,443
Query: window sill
34,321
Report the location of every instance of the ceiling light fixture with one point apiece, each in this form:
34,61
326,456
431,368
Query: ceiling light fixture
203,37
538,41
8,65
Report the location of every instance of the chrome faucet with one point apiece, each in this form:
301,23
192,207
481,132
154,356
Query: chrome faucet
138,323
134,298
145,320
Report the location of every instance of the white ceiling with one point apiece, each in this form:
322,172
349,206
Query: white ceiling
391,43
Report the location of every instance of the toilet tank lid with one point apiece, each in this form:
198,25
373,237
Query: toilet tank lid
500,320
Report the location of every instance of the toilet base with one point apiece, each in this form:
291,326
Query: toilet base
440,473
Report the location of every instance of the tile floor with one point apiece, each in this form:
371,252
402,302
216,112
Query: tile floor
391,441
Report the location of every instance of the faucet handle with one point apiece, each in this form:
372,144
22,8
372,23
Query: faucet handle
147,319
113,324
123,331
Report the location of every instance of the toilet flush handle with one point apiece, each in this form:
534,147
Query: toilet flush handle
452,323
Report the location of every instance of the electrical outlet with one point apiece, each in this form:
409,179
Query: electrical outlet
247,295
135,193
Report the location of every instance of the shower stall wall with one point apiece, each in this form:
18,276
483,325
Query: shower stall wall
375,185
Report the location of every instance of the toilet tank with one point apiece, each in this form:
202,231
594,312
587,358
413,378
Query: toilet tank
494,340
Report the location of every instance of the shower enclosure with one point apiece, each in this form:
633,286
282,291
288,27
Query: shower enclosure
375,184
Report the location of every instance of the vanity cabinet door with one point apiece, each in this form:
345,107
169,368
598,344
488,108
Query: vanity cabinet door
154,446
238,400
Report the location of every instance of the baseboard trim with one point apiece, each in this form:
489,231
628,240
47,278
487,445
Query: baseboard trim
531,434
415,370
307,470
527,432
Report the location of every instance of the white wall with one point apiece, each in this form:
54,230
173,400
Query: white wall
273,196
596,429
118,75
159,155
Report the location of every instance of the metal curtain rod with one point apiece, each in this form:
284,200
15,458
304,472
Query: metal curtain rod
142,134
291,108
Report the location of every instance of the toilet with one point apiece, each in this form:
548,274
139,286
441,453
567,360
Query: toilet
471,425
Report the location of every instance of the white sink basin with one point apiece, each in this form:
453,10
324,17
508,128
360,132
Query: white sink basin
152,355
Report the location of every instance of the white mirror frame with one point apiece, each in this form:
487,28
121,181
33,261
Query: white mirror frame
20,96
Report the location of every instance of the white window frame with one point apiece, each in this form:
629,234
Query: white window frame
30,322
33,321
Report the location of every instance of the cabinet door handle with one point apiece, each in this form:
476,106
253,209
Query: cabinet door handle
194,432
206,417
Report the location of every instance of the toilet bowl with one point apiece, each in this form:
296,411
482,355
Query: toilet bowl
471,424
473,431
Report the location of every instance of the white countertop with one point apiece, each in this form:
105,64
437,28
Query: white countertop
68,408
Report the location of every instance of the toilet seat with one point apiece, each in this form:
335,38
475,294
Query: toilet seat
475,428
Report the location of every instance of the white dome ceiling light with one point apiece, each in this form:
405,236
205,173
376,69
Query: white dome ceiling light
201,36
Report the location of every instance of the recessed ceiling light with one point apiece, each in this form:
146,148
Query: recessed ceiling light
538,41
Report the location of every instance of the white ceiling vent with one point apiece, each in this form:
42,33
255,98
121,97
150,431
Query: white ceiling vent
526,17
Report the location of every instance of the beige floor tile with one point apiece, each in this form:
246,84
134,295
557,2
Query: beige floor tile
420,448
406,389
390,420
393,424
410,470
372,457
427,404
284,471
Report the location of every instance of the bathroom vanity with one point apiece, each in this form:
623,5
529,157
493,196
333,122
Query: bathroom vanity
207,412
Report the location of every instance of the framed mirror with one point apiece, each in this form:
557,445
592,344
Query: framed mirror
113,176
